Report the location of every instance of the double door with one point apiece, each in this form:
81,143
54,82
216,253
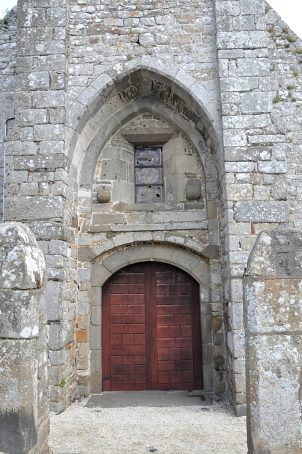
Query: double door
151,337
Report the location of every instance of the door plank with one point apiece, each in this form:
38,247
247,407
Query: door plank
151,327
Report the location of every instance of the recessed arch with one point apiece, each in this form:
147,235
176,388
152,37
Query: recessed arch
112,100
99,112
123,74
130,110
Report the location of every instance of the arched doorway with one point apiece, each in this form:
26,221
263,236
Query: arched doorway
151,336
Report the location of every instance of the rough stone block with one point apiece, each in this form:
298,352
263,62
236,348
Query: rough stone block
255,102
38,80
235,138
246,121
51,230
255,7
238,84
253,67
34,208
241,40
57,357
239,192
251,153
261,211
272,167
39,162
48,132
54,300
54,98
55,337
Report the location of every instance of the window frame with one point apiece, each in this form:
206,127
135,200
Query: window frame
149,166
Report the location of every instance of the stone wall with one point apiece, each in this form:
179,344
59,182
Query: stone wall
37,166
285,53
128,60
108,35
62,105
85,70
273,321
24,421
8,37
246,104
259,74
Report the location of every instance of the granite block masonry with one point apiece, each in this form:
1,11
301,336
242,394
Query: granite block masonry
24,415
217,86
273,320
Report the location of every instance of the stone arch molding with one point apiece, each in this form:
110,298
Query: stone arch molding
99,249
104,266
88,115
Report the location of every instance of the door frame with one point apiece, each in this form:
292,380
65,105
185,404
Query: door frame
196,266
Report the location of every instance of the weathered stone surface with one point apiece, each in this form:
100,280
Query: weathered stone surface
34,208
22,263
24,423
39,162
54,293
273,319
18,428
256,102
193,189
7,87
274,303
261,211
19,314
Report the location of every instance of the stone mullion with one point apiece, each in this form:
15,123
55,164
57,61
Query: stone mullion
244,74
37,162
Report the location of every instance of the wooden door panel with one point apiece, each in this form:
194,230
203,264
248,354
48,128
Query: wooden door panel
124,358
151,330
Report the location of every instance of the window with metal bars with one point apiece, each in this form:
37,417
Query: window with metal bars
149,186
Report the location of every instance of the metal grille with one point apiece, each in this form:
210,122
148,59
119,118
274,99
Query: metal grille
148,175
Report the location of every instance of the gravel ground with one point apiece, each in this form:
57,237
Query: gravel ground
137,430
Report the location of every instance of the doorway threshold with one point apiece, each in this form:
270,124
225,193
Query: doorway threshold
120,399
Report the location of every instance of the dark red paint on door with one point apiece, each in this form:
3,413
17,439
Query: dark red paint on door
151,330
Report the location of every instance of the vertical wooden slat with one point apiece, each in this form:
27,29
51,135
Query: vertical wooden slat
196,336
151,325
106,335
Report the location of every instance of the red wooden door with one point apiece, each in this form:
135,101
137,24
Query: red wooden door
151,330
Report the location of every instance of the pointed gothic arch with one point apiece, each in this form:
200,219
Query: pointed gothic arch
146,83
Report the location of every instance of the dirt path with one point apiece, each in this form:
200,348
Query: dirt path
194,429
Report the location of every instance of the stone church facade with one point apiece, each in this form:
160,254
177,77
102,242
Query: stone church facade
148,131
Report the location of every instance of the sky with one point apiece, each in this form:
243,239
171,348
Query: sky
289,10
